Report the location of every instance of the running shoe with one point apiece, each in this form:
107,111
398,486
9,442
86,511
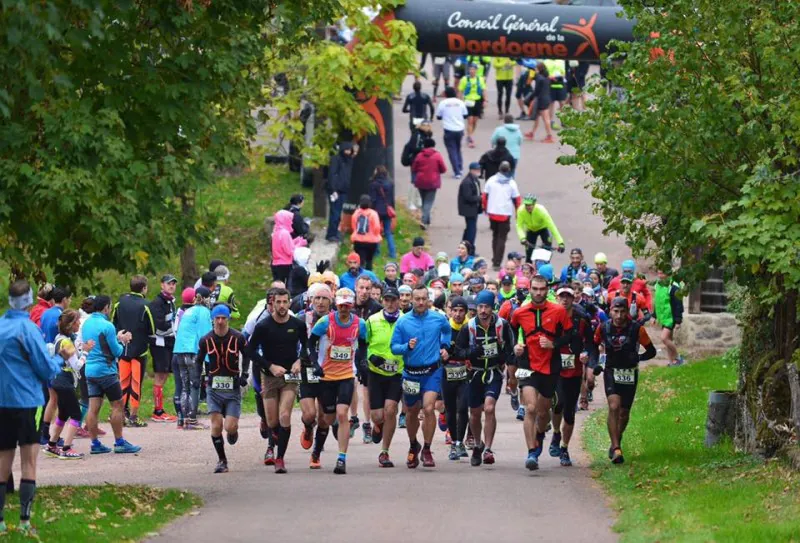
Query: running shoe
280,466
180,423
314,463
453,453
307,437
366,428
193,425
413,456
341,467
126,448
52,452
548,139
617,457
99,449
80,433
462,451
610,453
222,467
528,135
476,459
566,461
442,422
27,530
69,455
521,413
163,417
232,437
377,434
135,422
448,440
269,457
555,446
402,422
532,462
515,401
264,429
538,449
488,457
383,460
427,459
353,426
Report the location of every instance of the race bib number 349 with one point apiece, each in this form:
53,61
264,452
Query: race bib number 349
341,353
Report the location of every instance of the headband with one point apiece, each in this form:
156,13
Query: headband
21,302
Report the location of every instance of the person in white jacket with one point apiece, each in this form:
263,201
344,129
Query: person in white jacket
501,199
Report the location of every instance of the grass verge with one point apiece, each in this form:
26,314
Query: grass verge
673,488
99,513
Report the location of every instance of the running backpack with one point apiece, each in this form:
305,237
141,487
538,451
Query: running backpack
362,224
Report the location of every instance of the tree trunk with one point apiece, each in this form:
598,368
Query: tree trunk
189,273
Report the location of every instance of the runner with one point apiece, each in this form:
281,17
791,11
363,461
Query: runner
568,389
405,298
162,343
274,351
227,374
365,307
338,339
487,342
606,274
506,312
576,269
422,337
386,374
27,368
637,303
619,339
102,374
533,222
545,327
194,325
472,89
455,387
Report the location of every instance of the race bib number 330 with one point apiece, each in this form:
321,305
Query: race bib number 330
222,383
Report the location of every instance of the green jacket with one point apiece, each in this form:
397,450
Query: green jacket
379,339
667,306
226,296
536,220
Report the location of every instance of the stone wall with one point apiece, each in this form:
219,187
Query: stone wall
708,332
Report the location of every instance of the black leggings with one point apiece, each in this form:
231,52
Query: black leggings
366,251
455,398
507,87
68,406
567,392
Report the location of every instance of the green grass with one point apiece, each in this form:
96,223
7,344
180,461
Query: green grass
99,513
673,488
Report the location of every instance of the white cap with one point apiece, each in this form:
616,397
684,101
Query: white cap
588,291
565,290
345,296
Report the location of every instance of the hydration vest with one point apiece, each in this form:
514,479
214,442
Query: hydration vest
622,349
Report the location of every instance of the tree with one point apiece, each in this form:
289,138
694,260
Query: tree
702,152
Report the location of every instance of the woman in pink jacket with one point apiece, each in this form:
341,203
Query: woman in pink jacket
366,236
283,246
428,167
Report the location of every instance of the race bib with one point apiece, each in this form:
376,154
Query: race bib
411,388
417,120
310,377
458,62
455,373
222,383
439,61
389,366
522,373
160,341
341,353
625,376
490,350
293,377
568,364
469,103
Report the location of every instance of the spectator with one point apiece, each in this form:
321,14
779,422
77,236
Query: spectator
381,191
340,174
452,112
43,303
222,293
428,168
299,226
500,199
366,236
298,277
412,148
417,258
283,246
469,202
512,134
354,271
540,103
390,280
212,266
162,343
465,257
491,159
61,298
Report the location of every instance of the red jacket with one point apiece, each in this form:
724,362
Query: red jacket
40,307
639,286
428,166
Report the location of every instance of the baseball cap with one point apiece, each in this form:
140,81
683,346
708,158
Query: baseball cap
627,277
405,289
619,302
600,258
507,280
459,301
471,304
565,289
221,310
203,292
485,297
474,166
588,291
418,242
391,292
345,296
187,296
169,278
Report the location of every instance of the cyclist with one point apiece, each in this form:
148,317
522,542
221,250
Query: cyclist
533,222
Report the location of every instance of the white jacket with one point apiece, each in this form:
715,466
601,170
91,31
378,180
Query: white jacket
501,191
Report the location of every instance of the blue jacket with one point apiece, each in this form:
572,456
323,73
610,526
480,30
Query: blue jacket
49,323
195,323
432,331
102,359
25,364
456,265
568,273
348,280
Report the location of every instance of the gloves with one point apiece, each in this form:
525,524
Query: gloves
318,370
243,379
561,247
323,265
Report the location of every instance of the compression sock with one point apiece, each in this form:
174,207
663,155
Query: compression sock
219,445
319,440
426,447
283,439
273,437
27,490
158,400
540,439
342,456
176,402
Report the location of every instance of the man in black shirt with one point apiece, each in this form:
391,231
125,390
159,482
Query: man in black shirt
226,375
278,337
419,106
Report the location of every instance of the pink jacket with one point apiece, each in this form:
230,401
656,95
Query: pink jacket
282,243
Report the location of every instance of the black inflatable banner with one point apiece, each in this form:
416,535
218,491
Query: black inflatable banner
505,29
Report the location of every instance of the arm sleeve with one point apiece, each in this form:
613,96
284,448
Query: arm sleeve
303,333
258,338
649,352
461,348
399,342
